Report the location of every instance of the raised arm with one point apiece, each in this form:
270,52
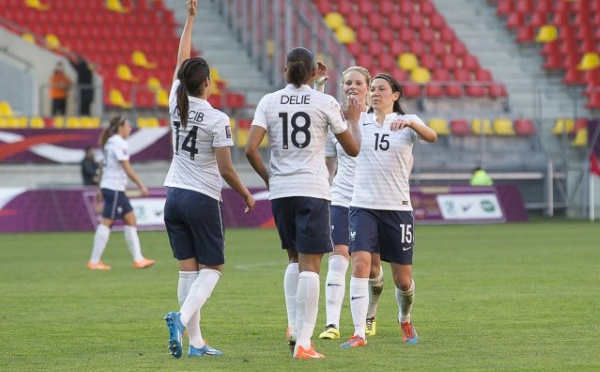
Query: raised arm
185,42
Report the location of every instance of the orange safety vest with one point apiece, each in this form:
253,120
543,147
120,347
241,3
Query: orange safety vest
59,86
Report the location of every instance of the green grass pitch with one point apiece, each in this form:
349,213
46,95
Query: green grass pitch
513,297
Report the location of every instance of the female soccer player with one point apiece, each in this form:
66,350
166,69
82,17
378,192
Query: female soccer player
201,142
380,210
355,83
113,181
297,119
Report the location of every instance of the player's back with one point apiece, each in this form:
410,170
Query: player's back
297,121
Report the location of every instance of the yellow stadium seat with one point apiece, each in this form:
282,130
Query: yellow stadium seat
58,122
407,61
563,126
52,41
440,126
334,20
73,122
124,73
147,122
270,45
503,127
241,137
90,122
116,6
36,122
345,35
482,126
5,109
139,59
28,38
589,61
420,75
116,99
36,4
546,34
153,83
162,98
13,122
581,138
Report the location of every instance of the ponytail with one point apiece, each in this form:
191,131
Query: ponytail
192,74
113,127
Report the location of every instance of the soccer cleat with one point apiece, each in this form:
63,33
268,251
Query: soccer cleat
97,266
330,333
310,353
176,329
291,339
144,263
409,335
354,341
204,351
371,327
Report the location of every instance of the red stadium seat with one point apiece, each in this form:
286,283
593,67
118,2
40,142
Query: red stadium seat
505,7
412,90
526,34
524,127
460,127
434,90
475,90
429,61
496,90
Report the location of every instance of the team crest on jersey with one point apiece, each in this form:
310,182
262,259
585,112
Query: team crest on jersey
228,131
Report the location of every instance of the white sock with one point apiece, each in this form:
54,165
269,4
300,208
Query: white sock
186,279
405,301
359,301
375,288
133,242
307,306
199,293
335,287
100,241
290,285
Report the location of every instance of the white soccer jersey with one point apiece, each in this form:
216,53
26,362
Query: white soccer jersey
297,121
114,177
194,165
343,182
384,163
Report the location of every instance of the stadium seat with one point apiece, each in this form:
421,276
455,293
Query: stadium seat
52,41
524,127
440,126
482,126
581,138
589,61
420,75
37,5
345,35
36,122
460,127
412,90
503,127
124,73
138,58
546,34
407,61
563,125
116,98
6,109
334,20
116,6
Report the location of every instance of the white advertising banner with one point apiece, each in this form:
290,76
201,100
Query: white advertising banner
470,207
148,211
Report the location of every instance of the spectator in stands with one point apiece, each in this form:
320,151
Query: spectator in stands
355,82
85,83
297,119
89,168
380,210
113,181
59,90
202,157
480,177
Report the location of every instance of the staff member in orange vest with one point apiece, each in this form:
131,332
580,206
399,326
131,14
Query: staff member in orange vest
59,89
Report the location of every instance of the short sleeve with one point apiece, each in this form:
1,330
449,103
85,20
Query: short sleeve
260,114
222,133
173,96
121,150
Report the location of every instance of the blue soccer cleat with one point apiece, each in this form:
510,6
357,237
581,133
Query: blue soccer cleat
204,351
409,335
176,330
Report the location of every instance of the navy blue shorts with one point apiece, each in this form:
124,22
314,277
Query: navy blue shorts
116,204
303,224
390,232
340,228
195,226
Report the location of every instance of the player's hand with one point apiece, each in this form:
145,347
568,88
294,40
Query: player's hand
250,203
321,73
191,7
144,190
353,110
400,124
